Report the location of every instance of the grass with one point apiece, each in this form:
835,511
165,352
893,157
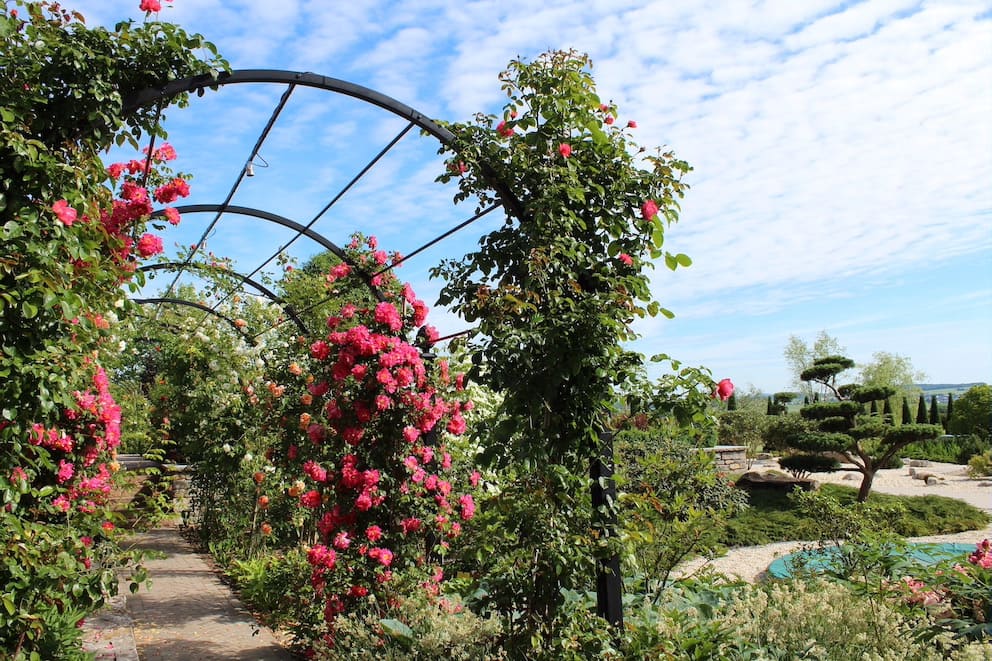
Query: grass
773,517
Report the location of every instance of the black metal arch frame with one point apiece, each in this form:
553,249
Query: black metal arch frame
608,578
259,287
167,300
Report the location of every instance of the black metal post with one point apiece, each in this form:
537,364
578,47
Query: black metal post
604,497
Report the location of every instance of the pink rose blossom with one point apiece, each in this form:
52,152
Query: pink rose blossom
149,245
565,149
311,499
64,212
150,6
724,389
504,130
373,533
632,124
172,216
649,209
625,258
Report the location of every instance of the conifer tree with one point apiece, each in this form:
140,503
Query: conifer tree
934,411
841,428
887,412
906,416
921,411
732,402
950,410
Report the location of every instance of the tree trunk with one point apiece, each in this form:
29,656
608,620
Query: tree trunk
869,477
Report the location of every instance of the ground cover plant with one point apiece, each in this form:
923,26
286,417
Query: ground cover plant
774,516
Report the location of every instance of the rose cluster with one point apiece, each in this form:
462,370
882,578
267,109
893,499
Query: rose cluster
365,430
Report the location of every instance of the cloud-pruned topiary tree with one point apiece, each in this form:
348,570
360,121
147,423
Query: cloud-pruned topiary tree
842,429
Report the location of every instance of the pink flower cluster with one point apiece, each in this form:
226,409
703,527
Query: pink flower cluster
373,476
982,556
89,433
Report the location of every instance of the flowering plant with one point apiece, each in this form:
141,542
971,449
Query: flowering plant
363,418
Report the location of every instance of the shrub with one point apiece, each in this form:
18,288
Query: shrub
420,628
981,465
801,465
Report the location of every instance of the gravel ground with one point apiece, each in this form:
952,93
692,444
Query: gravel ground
750,563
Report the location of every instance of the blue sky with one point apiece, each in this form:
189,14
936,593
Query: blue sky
842,153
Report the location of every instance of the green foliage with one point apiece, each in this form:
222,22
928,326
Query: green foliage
825,370
867,441
552,297
782,429
934,411
777,517
61,277
672,502
906,417
799,355
743,427
921,411
949,449
801,465
980,465
421,629
972,412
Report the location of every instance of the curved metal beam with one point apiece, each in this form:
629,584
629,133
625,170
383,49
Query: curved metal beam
198,306
201,82
306,79
265,291
285,222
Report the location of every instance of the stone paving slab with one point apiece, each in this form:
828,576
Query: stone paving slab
188,614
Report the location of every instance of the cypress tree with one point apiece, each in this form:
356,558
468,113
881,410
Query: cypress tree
934,411
769,410
907,417
806,400
874,408
921,412
950,410
816,398
732,402
887,411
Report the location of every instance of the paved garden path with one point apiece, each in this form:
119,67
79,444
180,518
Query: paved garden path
187,615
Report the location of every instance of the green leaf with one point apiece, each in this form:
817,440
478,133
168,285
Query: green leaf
683,259
399,631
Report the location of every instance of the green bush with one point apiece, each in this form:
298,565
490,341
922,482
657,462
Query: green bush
420,628
948,449
981,465
801,465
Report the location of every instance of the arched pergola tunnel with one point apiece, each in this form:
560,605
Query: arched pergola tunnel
608,575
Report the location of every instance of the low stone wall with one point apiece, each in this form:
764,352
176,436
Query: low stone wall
729,458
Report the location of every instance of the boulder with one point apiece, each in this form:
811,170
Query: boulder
932,481
753,480
919,463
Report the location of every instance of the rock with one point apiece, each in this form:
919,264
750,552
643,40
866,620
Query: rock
775,481
763,456
850,476
985,484
932,481
919,462
912,472
920,475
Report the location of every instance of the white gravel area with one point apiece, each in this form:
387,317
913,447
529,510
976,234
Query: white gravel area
750,563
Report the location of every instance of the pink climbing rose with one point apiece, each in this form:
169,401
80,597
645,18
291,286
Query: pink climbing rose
150,5
565,149
149,245
625,258
649,209
64,212
724,389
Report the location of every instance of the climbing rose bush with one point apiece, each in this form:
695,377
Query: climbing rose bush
364,416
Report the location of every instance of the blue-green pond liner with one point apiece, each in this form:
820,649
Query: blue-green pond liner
820,559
